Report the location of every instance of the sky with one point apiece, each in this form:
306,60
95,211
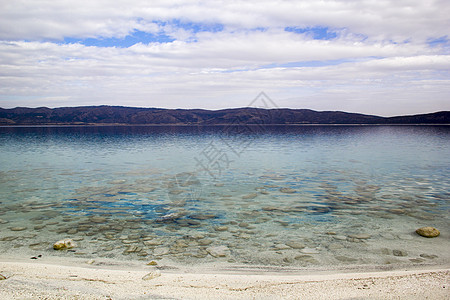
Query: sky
367,56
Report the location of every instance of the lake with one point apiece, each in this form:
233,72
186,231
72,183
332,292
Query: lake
285,196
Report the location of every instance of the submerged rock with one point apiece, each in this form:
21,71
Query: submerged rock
429,232
171,216
132,249
399,253
97,219
361,236
64,244
309,251
152,243
219,251
295,245
250,196
287,190
428,256
17,228
161,251
204,242
221,228
306,259
281,247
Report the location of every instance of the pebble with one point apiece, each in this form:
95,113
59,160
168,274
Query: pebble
64,244
97,219
3,221
429,256
152,275
250,196
221,228
129,241
218,251
429,232
399,253
287,190
417,260
2,277
243,225
17,228
203,216
152,263
340,237
90,262
281,247
309,251
193,222
132,249
181,244
295,245
161,251
153,243
204,242
197,236
406,237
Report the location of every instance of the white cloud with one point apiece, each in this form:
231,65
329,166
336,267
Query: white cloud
396,20
380,54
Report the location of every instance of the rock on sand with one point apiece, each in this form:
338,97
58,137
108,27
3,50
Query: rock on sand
64,244
428,232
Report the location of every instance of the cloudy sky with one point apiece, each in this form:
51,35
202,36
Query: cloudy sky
370,56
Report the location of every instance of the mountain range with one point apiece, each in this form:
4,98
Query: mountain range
104,115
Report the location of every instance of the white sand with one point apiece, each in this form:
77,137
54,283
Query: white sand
37,280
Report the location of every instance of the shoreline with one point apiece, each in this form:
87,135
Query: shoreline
214,125
50,280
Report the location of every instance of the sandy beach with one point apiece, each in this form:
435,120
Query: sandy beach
42,280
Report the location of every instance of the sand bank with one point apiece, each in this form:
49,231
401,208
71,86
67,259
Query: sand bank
37,280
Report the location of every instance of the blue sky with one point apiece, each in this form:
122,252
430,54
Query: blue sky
383,57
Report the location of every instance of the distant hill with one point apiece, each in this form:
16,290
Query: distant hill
91,115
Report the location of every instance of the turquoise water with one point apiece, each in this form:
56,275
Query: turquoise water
281,195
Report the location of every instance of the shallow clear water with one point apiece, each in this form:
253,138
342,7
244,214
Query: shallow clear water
281,195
